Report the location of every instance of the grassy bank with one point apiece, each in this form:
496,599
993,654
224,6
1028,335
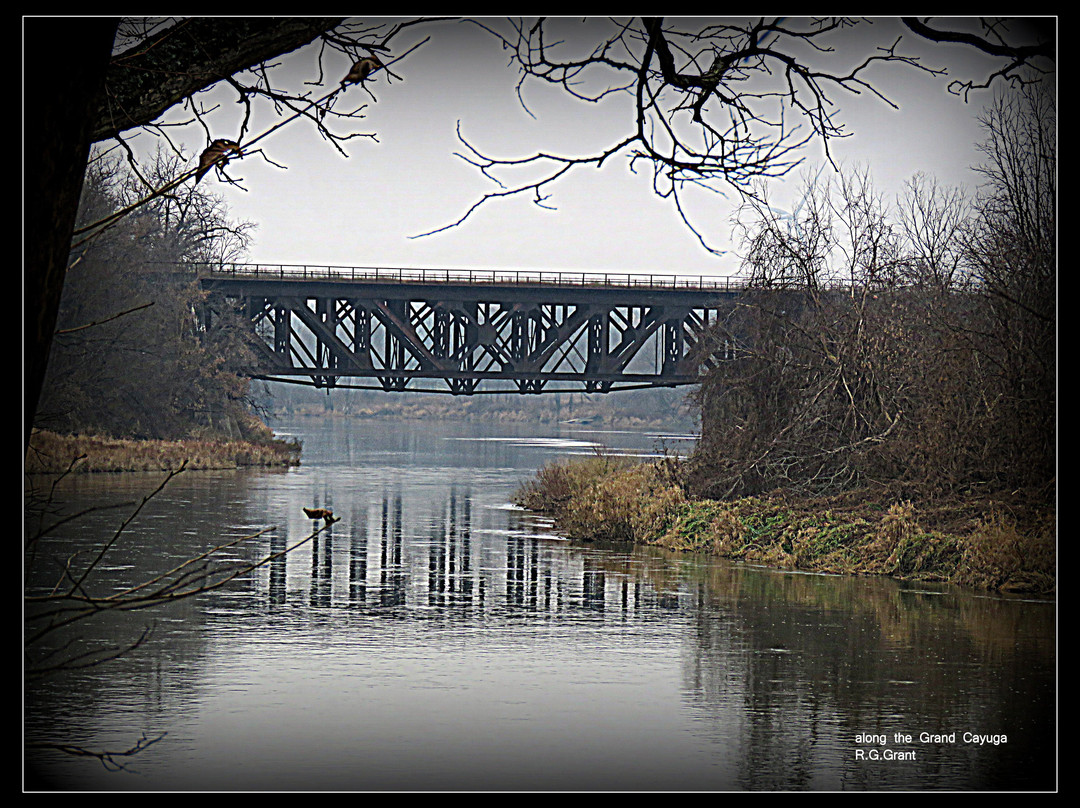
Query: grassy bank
53,453
997,543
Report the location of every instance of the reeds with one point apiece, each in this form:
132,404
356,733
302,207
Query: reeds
53,453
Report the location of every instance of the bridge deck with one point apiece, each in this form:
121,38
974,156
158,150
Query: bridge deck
471,277
536,331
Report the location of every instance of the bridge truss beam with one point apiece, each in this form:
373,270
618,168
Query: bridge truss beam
466,339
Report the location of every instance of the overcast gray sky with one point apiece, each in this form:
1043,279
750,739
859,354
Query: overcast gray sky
361,210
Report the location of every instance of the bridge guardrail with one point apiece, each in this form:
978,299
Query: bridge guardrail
477,277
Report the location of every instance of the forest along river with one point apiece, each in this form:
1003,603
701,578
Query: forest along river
439,638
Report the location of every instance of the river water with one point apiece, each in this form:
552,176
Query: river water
438,638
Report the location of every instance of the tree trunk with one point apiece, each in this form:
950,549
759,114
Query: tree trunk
77,93
147,79
62,88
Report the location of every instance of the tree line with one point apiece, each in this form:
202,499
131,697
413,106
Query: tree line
729,81
910,346
131,357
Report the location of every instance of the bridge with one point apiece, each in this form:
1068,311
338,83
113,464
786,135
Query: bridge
469,331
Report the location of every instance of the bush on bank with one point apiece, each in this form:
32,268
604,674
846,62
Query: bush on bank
978,543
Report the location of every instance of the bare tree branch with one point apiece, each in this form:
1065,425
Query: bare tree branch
158,72
708,105
1017,53
1023,62
111,760
116,316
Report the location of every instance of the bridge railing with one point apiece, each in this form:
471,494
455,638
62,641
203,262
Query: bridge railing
477,277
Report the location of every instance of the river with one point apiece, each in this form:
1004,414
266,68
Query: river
438,638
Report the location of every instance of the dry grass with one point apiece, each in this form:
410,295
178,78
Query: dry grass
973,542
53,453
602,497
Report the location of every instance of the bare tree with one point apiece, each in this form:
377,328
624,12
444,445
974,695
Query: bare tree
714,103
94,79
130,356
933,221
910,347
805,398
1012,249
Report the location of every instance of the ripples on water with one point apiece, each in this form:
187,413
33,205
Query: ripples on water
440,638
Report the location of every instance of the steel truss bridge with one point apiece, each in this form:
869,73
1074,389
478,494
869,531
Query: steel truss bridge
469,331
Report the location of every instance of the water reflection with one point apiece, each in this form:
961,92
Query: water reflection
438,638
780,672
517,565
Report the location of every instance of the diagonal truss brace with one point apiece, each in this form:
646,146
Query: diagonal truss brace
412,340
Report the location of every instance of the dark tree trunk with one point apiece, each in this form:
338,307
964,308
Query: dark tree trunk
64,61
77,94
149,78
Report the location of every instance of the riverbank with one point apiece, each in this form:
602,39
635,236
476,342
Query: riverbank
51,453
988,542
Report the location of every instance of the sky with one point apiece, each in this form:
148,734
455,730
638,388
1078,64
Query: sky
367,208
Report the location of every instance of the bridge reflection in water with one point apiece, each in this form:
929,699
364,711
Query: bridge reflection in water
469,331
367,562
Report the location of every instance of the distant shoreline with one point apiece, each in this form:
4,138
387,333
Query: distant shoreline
422,411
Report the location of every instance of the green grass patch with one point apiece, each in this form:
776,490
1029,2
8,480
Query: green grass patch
611,498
